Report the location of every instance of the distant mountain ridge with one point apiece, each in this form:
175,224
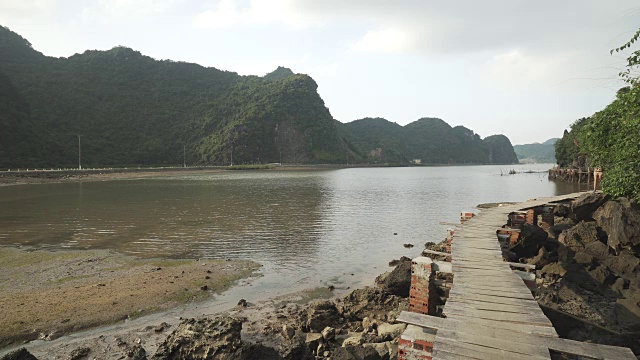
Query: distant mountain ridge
130,109
543,153
429,140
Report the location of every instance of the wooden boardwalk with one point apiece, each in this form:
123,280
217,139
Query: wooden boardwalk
490,312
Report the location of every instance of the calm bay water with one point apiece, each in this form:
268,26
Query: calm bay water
308,228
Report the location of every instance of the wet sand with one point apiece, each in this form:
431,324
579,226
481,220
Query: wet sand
46,294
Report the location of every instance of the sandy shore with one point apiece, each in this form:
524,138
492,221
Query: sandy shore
45,294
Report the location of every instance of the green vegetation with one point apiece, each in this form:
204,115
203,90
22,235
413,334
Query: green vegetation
431,140
610,138
537,153
132,110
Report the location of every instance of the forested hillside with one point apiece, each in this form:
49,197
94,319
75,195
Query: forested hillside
610,139
130,109
537,153
430,140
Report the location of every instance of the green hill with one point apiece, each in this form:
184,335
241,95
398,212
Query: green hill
430,140
537,153
130,109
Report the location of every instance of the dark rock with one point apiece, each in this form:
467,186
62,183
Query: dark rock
541,259
583,207
356,353
312,340
371,302
20,354
531,239
582,257
204,288
137,352
79,353
621,221
204,339
321,314
626,264
557,229
398,261
294,349
602,275
576,238
627,312
408,246
242,303
398,282
561,210
620,285
598,250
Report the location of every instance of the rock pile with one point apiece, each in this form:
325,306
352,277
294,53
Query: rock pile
589,267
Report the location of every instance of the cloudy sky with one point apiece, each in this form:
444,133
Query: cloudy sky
527,69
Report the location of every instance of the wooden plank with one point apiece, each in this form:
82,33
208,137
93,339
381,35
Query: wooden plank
460,349
493,286
493,344
495,300
591,350
505,330
520,318
494,293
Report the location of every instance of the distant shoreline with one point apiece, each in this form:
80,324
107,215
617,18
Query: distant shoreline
52,176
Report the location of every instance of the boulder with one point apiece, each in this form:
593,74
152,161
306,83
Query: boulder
321,314
329,333
626,264
359,352
369,324
20,354
371,302
203,339
598,250
583,257
313,340
561,210
541,259
136,352
627,312
353,340
576,238
602,275
583,207
398,282
530,241
621,221
387,349
390,331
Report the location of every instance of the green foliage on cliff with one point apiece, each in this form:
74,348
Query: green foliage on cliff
611,138
130,109
431,140
536,152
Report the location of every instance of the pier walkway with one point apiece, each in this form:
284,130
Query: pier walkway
490,312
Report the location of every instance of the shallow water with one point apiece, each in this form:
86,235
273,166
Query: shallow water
308,228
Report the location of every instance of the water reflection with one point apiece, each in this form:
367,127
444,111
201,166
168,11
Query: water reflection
303,225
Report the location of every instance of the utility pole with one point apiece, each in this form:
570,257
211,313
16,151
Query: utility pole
79,155
184,156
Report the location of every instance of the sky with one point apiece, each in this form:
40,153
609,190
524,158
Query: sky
526,69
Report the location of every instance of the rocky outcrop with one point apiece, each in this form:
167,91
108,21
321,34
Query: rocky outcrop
203,339
532,238
373,303
621,221
20,354
577,238
583,207
322,314
398,281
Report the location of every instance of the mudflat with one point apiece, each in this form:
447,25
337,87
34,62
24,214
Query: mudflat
45,294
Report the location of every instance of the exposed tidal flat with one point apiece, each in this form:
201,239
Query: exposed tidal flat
309,230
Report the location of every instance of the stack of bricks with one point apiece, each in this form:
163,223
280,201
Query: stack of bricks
545,219
450,233
464,216
416,343
421,281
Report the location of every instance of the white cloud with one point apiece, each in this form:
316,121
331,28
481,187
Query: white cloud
228,13
386,40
